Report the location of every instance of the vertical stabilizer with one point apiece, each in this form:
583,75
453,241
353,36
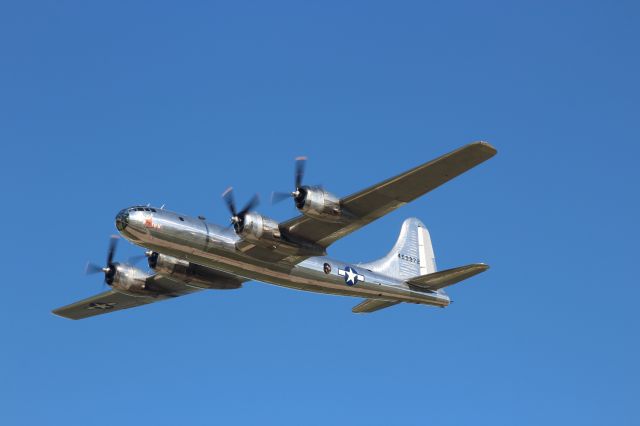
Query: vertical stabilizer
412,255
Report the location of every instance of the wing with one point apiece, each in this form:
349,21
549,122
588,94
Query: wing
111,301
372,305
442,279
378,200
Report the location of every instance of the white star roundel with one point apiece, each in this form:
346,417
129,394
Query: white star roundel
351,276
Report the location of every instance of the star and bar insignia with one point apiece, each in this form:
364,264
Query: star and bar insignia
351,276
102,306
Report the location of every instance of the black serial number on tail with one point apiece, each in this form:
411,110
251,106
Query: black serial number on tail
409,258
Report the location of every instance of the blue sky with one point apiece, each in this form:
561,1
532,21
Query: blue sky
105,105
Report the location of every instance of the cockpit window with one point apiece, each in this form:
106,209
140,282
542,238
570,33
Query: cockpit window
141,209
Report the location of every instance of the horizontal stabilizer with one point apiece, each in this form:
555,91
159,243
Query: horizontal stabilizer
372,305
442,279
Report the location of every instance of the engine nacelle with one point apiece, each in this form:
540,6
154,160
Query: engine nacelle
259,229
131,281
190,273
319,204
167,265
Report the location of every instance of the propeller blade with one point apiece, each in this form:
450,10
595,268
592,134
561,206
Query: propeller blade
253,202
300,166
135,259
227,196
112,249
278,197
92,268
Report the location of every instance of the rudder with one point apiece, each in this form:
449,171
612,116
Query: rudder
412,254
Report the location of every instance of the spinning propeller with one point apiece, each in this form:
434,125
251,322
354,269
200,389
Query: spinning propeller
111,268
138,257
237,217
300,191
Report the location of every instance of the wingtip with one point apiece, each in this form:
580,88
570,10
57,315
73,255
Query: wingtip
487,147
479,267
57,312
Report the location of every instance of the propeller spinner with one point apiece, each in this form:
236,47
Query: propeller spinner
111,268
237,217
300,191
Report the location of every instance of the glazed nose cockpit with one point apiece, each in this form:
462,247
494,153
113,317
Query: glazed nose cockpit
131,218
122,219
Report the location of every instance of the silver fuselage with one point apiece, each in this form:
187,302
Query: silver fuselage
213,246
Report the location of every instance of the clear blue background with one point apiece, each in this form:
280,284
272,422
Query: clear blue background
105,105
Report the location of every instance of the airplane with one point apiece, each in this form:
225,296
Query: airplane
188,254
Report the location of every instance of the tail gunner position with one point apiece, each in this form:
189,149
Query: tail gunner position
188,254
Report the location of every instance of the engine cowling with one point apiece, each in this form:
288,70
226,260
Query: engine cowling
190,273
129,280
263,231
167,265
259,229
319,204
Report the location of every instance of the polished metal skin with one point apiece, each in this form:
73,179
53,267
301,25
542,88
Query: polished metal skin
192,274
189,254
320,204
260,229
194,240
130,280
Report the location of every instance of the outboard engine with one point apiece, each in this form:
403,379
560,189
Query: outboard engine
319,204
313,201
121,277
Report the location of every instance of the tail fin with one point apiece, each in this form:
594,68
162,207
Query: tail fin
412,255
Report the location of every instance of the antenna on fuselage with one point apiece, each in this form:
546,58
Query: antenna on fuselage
162,208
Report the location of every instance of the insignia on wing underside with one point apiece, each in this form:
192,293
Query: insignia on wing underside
102,306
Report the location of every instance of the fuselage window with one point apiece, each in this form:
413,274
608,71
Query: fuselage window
153,210
181,219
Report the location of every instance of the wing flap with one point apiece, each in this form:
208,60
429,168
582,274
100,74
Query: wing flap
442,279
372,305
